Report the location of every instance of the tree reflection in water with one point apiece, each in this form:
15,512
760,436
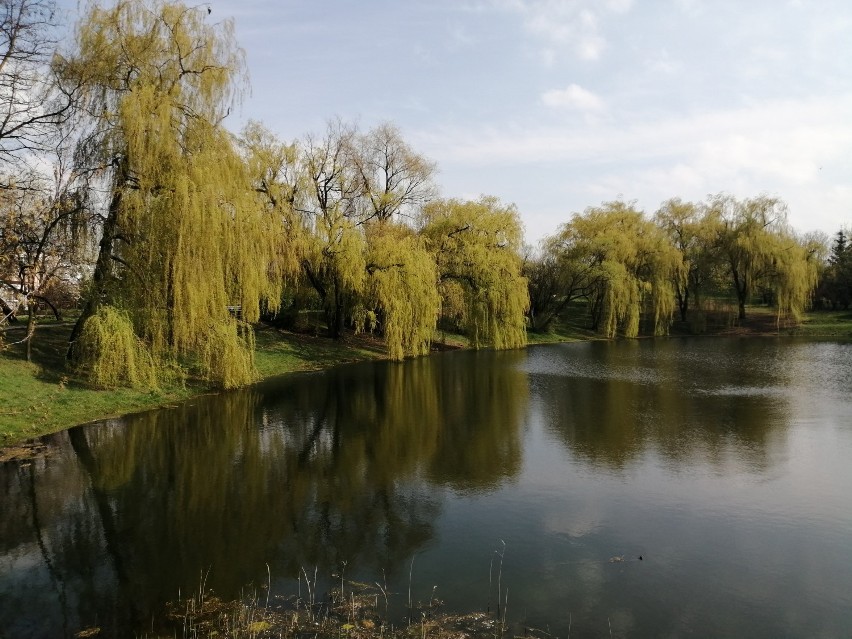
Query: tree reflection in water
314,470
620,401
721,461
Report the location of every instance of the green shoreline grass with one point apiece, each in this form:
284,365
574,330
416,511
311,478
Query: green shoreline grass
42,397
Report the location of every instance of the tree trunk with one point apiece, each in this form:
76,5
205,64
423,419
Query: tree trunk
103,269
56,314
335,315
337,329
683,304
31,324
741,289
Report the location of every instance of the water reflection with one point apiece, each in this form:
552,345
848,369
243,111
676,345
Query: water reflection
616,403
723,462
311,471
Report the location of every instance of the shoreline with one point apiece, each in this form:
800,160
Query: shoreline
41,400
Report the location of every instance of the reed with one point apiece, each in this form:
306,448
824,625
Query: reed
350,610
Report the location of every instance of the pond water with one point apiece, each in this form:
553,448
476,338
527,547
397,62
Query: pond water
725,464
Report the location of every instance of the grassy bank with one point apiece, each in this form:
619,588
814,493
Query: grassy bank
824,324
42,396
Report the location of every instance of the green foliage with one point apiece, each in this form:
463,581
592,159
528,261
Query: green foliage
761,252
333,258
629,265
402,287
477,251
183,220
795,274
835,287
113,353
338,198
227,354
692,230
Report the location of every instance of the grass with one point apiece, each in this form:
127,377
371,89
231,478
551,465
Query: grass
42,397
825,324
570,329
352,611
280,352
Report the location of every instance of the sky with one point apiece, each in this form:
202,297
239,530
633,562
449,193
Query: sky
558,105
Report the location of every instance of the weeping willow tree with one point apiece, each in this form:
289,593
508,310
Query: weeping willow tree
395,179
183,238
340,234
761,253
632,265
402,288
692,229
279,182
333,259
477,246
796,272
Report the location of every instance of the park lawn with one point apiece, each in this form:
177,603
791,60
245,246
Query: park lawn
43,396
573,328
825,324
279,352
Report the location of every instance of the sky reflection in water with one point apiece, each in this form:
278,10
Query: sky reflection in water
723,463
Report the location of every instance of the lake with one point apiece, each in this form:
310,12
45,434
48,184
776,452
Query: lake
666,487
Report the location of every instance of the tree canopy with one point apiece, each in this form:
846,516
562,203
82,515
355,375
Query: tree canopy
629,265
835,289
182,238
477,248
759,250
178,236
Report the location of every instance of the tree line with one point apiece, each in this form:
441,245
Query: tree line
625,265
183,234
121,187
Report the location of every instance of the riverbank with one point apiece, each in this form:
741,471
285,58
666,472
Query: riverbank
42,397
356,611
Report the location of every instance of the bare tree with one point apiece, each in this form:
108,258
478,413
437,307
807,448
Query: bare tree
31,103
395,179
45,232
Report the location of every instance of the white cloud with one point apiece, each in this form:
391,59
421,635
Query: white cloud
573,96
785,138
590,47
799,150
619,6
690,6
566,25
663,63
461,37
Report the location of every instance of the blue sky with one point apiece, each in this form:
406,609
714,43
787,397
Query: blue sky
557,105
